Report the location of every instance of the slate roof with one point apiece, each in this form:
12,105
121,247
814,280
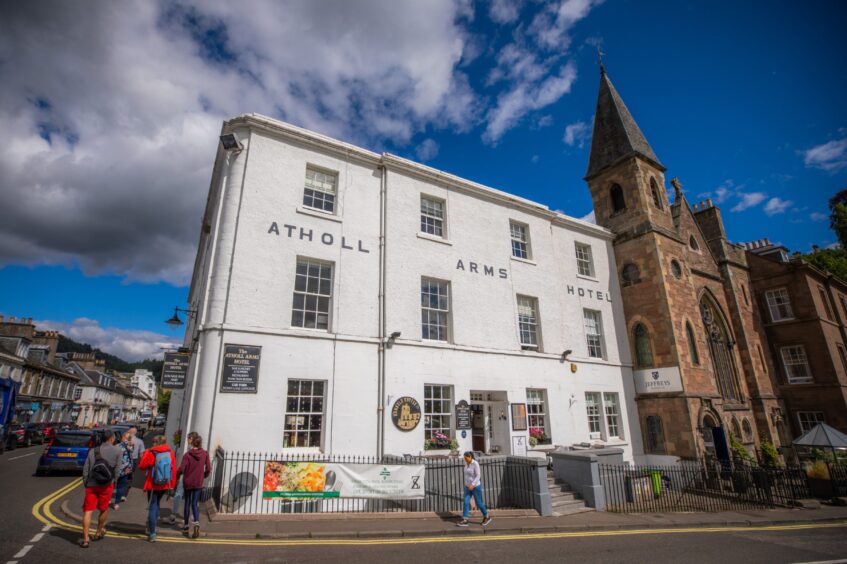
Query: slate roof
616,136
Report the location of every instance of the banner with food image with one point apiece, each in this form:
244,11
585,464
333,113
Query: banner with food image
326,480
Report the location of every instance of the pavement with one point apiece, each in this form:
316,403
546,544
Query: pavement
131,517
34,529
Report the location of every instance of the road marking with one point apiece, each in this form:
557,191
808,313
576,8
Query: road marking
37,537
842,561
22,456
23,551
46,528
43,512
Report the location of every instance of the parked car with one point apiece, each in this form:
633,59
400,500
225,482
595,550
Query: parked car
26,434
48,429
68,451
160,421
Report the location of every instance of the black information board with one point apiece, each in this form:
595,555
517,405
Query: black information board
174,370
241,369
463,415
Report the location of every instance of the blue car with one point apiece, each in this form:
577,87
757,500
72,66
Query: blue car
67,451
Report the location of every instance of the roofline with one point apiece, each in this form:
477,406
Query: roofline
629,155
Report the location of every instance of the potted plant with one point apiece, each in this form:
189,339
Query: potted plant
819,480
440,442
537,436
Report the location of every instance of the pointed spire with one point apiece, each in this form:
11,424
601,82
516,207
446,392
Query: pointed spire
616,136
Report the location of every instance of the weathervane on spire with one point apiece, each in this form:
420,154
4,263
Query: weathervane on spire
600,54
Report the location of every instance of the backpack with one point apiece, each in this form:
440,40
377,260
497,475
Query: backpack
102,473
162,469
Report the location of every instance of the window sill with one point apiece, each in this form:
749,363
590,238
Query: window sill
316,213
523,260
434,238
591,278
800,383
303,450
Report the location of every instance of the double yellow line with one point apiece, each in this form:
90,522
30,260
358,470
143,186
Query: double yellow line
43,512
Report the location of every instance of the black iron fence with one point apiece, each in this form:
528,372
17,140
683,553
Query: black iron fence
702,486
236,484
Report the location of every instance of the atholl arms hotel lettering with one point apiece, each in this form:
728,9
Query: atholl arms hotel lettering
471,267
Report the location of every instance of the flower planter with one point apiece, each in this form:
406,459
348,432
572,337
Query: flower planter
436,452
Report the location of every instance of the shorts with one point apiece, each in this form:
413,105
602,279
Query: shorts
98,497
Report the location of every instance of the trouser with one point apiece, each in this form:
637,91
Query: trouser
192,502
154,500
122,487
131,476
477,495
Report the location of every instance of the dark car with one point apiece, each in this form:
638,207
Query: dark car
27,434
67,451
160,420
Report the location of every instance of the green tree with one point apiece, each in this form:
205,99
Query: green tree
838,216
163,401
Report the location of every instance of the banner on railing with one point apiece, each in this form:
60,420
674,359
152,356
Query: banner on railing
324,480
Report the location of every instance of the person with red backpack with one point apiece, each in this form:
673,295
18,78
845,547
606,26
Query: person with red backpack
160,463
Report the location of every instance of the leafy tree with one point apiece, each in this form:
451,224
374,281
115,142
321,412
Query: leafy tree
830,260
838,216
163,401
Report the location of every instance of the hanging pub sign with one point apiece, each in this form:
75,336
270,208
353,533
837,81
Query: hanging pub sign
519,417
463,415
174,370
241,369
406,413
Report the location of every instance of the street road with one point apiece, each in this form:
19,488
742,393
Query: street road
20,490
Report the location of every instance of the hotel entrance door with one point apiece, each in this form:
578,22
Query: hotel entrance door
490,422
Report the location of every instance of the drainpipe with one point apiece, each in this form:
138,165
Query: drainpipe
380,412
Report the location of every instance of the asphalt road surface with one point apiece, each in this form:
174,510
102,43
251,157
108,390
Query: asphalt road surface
21,490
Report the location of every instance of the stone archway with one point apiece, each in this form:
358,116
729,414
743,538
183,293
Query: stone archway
714,437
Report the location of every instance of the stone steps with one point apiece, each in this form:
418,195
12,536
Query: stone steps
563,499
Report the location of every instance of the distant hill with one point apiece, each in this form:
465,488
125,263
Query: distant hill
112,362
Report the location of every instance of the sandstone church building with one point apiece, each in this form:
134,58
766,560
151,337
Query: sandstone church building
700,368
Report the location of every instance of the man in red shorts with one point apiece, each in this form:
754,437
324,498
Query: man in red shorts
98,476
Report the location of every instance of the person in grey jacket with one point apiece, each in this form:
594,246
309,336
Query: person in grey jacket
137,450
473,488
99,487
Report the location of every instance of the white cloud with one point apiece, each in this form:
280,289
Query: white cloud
722,192
427,150
777,205
535,159
589,217
831,156
116,109
577,133
130,345
552,26
817,216
544,121
749,200
504,11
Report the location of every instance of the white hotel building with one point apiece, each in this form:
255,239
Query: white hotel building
366,277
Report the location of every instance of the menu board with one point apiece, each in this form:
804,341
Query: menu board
463,415
241,369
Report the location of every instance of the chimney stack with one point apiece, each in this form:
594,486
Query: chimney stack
709,201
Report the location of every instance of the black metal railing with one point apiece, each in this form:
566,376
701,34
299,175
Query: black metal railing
236,483
701,486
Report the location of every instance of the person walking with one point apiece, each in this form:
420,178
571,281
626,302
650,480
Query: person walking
137,447
98,477
194,469
160,463
473,488
124,473
180,490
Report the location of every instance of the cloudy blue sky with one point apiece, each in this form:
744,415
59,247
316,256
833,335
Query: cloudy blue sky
112,111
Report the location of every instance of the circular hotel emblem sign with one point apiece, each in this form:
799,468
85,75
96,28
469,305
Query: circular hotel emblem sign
406,413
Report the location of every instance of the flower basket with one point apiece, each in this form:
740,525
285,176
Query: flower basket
440,441
537,436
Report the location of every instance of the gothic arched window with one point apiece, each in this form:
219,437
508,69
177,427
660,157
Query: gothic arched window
655,435
643,351
618,202
630,274
692,344
654,190
692,242
721,348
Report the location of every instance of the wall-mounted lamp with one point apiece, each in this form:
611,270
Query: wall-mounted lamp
230,143
389,342
565,355
175,321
